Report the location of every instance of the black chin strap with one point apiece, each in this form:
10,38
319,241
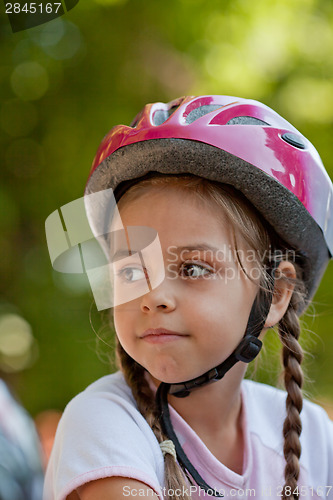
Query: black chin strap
163,407
246,351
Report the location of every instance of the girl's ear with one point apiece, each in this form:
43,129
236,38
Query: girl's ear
283,290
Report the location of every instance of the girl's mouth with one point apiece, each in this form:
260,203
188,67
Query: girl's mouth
161,335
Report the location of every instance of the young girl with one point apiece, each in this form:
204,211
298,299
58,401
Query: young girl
242,207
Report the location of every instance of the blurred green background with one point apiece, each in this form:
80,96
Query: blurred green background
64,84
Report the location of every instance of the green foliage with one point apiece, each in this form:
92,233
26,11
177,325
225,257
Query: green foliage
64,84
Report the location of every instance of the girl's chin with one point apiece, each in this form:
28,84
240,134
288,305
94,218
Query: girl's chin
167,380
173,380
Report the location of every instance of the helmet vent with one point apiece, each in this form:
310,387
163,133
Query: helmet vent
246,120
201,111
294,140
161,115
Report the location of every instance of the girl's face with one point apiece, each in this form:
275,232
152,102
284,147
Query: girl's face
197,316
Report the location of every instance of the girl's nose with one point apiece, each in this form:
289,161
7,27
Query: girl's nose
160,299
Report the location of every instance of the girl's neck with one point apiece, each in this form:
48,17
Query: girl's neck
214,412
214,407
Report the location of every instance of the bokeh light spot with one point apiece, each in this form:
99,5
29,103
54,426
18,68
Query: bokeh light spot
48,34
17,344
312,100
67,45
29,81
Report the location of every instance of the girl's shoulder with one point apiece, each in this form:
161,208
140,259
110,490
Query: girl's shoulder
107,408
101,434
265,402
109,395
265,412
113,384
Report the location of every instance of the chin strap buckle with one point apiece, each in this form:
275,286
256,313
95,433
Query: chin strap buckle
182,390
248,349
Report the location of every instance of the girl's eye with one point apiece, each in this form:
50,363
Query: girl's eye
192,270
132,274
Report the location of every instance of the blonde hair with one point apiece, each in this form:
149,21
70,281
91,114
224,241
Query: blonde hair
247,224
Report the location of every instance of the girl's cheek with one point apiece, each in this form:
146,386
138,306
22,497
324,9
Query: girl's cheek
117,321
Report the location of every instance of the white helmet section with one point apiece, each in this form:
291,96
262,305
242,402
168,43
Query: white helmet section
121,263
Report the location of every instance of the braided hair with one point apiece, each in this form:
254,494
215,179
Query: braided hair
292,357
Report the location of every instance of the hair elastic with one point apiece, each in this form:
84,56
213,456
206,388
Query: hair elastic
168,446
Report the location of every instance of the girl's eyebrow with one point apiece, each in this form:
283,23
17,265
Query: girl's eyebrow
199,246
122,253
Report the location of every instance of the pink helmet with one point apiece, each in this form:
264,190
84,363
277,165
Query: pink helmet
234,141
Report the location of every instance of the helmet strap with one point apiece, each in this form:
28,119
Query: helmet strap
189,470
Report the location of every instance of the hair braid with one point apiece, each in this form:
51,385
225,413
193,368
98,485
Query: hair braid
292,357
135,377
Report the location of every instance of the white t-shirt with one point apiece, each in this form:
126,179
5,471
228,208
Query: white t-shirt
102,434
